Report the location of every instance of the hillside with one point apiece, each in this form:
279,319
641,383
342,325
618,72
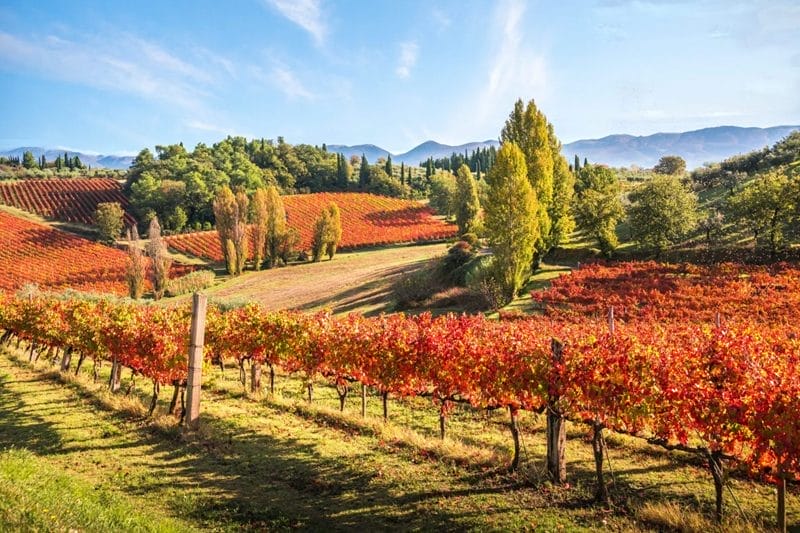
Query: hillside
117,162
696,147
367,220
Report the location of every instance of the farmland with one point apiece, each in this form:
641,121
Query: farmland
367,220
64,200
54,259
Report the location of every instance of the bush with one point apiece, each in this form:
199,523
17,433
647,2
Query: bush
471,238
192,282
414,288
452,269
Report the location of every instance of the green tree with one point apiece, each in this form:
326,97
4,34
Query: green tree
28,161
510,219
108,217
135,265
527,127
466,201
560,209
226,214
363,173
334,234
597,207
662,211
443,193
670,165
276,230
767,206
240,236
380,182
321,234
259,221
388,166
160,259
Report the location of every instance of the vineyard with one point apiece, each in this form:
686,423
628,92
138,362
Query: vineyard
367,220
65,200
55,260
728,391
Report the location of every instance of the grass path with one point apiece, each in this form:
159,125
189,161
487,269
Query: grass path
279,464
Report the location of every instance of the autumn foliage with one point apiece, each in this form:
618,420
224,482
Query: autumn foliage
367,220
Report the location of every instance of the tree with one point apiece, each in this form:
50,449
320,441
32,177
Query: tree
363,173
597,207
548,172
403,173
240,240
767,206
226,214
28,161
670,165
321,233
259,221
135,266
466,201
108,217
380,182
559,211
334,234
443,193
662,211
388,166
511,219
276,229
160,259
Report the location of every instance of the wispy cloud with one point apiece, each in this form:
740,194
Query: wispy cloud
409,51
305,13
124,64
517,71
441,18
283,78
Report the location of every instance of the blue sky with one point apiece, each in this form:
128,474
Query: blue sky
113,76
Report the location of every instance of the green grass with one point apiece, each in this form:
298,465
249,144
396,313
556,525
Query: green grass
35,497
277,462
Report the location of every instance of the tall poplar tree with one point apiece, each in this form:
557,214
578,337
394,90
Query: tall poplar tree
466,200
511,219
363,173
526,127
259,209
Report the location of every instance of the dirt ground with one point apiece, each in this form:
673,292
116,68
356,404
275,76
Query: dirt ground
356,281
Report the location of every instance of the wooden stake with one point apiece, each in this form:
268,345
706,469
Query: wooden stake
363,401
195,377
556,429
611,325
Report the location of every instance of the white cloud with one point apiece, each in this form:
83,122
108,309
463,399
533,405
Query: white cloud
305,13
441,18
124,63
284,79
409,51
517,71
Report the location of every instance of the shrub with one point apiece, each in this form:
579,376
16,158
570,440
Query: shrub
190,283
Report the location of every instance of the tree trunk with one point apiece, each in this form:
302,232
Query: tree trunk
81,359
183,406
715,464
242,373
173,403
114,378
310,387
385,396
599,449
556,428
514,425
363,401
154,401
255,377
30,355
132,386
271,379
782,503
342,391
66,359
96,369
442,424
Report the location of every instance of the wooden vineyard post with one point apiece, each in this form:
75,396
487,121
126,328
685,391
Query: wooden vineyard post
255,377
195,376
556,428
611,326
363,401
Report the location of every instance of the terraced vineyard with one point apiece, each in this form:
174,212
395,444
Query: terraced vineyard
65,200
367,220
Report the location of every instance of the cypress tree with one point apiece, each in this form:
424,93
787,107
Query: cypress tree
388,167
363,173
402,173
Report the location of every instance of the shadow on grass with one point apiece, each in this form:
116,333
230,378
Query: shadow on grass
20,428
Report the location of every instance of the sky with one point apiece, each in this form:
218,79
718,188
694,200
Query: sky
113,76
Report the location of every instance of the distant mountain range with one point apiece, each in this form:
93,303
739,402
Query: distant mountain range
696,147
119,162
